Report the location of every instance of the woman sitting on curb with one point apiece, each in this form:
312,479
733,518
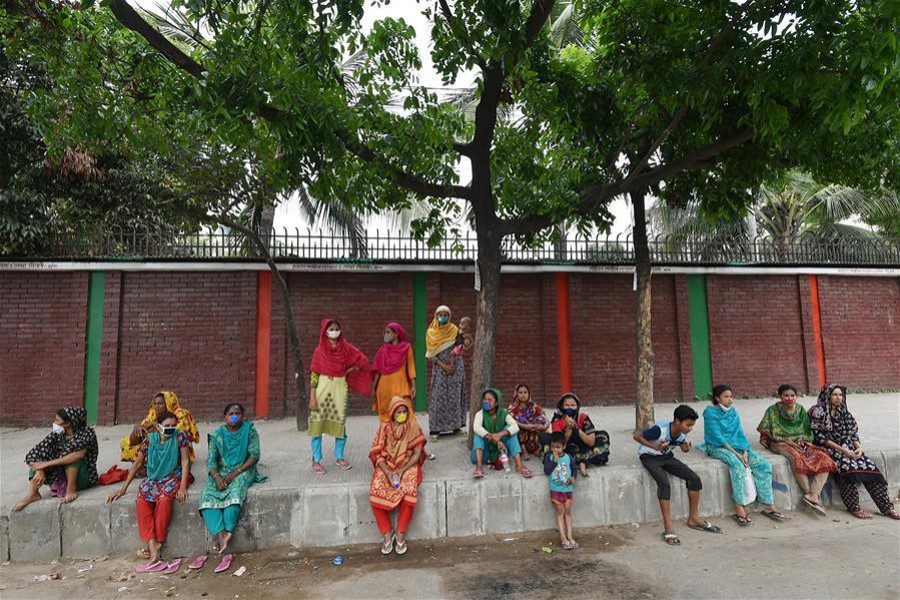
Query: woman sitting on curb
495,440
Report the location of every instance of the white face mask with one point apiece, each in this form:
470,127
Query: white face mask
333,334
726,408
57,428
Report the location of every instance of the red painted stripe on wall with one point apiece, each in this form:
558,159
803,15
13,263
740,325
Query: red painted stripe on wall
263,331
562,332
817,328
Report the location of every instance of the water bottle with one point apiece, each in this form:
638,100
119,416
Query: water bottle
504,460
395,480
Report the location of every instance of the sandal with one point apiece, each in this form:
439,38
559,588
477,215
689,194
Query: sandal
892,514
814,506
173,567
430,456
860,514
224,564
774,515
198,562
671,539
567,545
525,472
155,567
574,545
400,548
707,527
478,474
343,464
742,521
387,547
318,469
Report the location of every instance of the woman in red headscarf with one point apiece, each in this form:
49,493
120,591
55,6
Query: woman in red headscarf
337,367
397,454
395,371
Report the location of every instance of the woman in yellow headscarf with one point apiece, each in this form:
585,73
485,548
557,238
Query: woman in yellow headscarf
162,402
447,400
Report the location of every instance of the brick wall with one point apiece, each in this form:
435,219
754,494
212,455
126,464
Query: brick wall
861,331
756,333
194,333
42,337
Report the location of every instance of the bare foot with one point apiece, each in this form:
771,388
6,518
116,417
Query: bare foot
223,546
154,550
583,469
70,495
26,501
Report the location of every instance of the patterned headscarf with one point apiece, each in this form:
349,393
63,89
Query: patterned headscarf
820,417
440,337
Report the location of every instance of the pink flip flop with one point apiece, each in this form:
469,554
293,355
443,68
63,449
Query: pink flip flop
318,469
225,563
198,562
155,567
173,566
343,464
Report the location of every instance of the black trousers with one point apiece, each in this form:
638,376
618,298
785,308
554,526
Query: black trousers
660,465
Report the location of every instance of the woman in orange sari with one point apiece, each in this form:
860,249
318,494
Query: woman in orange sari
395,370
397,454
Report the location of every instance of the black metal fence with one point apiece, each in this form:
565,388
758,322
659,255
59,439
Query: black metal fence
391,247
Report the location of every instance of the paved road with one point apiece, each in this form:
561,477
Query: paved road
808,557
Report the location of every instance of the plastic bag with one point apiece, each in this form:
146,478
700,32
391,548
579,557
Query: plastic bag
749,486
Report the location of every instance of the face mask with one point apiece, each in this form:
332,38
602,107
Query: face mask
388,338
443,319
169,431
401,418
571,412
233,419
57,428
725,408
333,334
487,406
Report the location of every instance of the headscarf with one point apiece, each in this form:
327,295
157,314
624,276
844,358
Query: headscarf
582,420
186,421
333,361
390,357
722,427
162,457
58,445
439,337
778,424
232,445
820,417
395,443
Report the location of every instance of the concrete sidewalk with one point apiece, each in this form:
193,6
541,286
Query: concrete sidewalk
299,508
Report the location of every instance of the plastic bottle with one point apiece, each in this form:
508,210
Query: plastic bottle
504,460
395,480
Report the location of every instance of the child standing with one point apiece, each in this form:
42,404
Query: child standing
656,455
558,465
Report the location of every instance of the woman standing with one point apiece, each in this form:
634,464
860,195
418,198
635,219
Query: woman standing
785,430
395,371
337,366
65,460
162,402
585,444
835,429
725,440
531,420
447,403
397,454
233,455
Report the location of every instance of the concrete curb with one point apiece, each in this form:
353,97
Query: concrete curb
340,514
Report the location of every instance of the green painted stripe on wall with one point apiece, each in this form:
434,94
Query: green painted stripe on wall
698,313
93,341
420,323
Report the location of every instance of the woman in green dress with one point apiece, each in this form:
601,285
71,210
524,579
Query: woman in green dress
233,454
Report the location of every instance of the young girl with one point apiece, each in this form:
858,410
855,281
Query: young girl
168,478
558,465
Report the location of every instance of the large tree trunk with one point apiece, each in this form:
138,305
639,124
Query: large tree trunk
644,414
487,314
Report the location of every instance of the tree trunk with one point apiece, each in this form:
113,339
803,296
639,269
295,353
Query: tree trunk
487,313
644,414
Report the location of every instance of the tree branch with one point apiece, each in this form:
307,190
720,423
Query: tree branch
540,12
129,17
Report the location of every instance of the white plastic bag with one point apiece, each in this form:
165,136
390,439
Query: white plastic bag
749,486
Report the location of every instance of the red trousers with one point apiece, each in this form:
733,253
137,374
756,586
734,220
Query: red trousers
153,519
383,518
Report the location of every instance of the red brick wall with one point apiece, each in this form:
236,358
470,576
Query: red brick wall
191,333
42,335
861,331
756,333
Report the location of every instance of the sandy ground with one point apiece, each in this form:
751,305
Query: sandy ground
807,557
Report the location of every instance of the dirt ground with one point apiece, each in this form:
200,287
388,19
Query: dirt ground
763,560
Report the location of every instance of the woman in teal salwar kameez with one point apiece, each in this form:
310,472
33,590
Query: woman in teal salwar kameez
233,454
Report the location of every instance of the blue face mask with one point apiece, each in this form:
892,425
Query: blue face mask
233,419
443,319
487,406
571,412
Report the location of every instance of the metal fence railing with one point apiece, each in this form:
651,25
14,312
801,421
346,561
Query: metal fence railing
391,247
